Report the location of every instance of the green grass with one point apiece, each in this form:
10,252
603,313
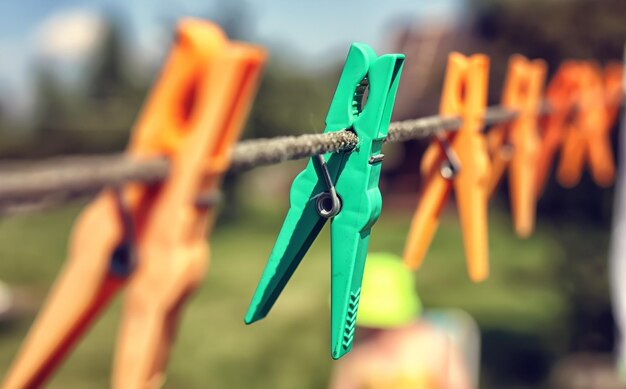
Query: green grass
290,348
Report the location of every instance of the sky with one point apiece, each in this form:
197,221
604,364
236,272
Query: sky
310,34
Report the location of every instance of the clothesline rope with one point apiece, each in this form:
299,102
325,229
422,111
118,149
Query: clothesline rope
28,186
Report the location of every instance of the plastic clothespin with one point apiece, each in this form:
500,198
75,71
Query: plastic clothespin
515,144
464,95
193,117
561,95
588,136
613,80
340,186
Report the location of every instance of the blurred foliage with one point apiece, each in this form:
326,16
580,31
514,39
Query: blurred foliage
554,29
96,116
290,103
92,116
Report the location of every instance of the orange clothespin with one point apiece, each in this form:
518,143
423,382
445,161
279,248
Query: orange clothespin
464,95
588,136
561,95
613,89
515,145
151,237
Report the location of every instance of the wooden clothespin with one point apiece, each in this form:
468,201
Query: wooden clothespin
561,95
587,137
342,187
515,145
151,238
457,160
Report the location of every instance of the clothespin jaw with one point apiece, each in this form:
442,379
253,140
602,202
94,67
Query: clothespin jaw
561,94
340,186
588,136
192,117
464,95
522,94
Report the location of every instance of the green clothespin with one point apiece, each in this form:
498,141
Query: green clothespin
342,187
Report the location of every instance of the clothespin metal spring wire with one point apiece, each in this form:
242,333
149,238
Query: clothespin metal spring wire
328,203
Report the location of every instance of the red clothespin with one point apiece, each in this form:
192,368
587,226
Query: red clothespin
151,238
458,160
588,136
515,145
561,95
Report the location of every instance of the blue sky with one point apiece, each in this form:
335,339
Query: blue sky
312,33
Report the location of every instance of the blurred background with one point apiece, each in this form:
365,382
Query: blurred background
73,77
